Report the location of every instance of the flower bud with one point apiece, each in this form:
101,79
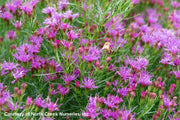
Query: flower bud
28,102
81,50
16,89
108,59
58,43
72,49
24,85
77,84
97,63
152,95
108,84
19,93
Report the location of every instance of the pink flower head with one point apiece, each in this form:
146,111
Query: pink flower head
48,10
93,54
19,73
124,73
68,78
52,106
139,63
175,4
40,103
123,92
172,88
11,7
167,102
113,101
29,101
68,15
72,35
27,8
144,79
18,25
152,16
63,90
34,2
25,52
91,110
8,67
6,16
177,74
88,83
62,4
11,35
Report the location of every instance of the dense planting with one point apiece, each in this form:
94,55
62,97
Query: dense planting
90,59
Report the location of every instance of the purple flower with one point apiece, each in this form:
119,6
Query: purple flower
175,4
51,91
173,46
113,101
176,61
68,15
177,74
19,73
139,63
106,113
126,114
72,35
122,92
27,8
53,22
68,78
50,77
18,3
22,57
62,4
36,40
29,101
124,73
115,114
64,26
48,10
18,25
34,2
115,83
139,20
11,35
6,16
93,54
52,106
25,52
91,110
144,79
40,103
8,67
11,7
88,83
90,58
152,16
172,88
168,103
6,95
63,90
13,106
166,59
115,27
77,72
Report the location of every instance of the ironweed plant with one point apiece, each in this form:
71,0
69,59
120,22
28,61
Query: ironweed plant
89,59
